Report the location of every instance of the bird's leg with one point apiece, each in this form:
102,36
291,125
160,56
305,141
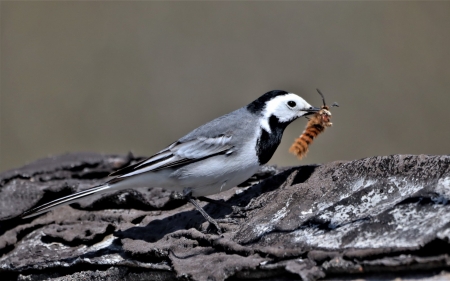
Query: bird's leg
187,193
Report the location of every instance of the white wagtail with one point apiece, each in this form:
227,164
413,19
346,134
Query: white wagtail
212,158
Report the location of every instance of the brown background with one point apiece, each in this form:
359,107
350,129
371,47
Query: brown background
114,77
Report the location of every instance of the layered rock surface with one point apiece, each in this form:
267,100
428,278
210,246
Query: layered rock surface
379,217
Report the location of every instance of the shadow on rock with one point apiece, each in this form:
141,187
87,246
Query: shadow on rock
158,228
175,221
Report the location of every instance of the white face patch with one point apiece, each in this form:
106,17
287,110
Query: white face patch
286,108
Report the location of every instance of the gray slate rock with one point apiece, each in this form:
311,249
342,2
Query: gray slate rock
378,218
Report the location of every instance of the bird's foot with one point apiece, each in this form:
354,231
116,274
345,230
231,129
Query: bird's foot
187,194
205,215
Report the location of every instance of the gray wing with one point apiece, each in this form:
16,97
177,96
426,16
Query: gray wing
179,153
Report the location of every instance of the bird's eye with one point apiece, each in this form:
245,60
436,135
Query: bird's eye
291,103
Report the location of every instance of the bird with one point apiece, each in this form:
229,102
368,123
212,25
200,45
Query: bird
212,158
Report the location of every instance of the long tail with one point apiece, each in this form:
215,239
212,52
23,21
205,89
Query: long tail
64,201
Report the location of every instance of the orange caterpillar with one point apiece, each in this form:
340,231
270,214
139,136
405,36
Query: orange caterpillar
316,125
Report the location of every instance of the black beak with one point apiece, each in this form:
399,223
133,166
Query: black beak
311,110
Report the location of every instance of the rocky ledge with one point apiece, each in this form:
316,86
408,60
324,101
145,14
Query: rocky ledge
375,218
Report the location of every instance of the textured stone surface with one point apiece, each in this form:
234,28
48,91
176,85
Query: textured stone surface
341,220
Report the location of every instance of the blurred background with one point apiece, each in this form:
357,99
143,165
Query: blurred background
113,77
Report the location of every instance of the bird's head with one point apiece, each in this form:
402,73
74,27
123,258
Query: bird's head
285,106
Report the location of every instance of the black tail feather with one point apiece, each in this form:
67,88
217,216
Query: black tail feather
62,201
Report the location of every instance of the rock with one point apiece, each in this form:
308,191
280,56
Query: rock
374,218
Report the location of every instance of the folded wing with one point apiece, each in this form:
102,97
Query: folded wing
177,154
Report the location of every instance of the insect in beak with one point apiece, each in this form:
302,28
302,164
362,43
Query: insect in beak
318,122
